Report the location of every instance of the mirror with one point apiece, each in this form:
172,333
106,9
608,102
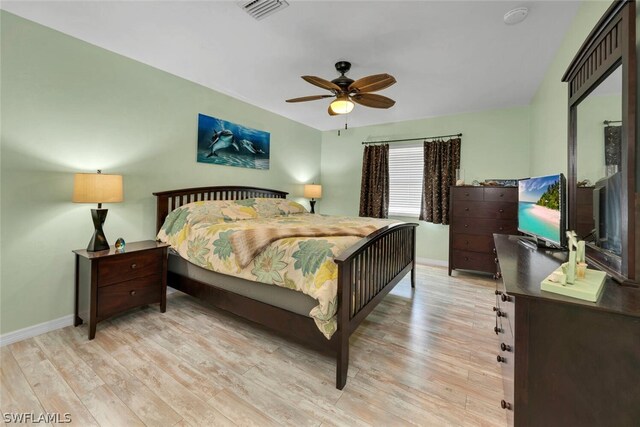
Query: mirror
602,144
599,165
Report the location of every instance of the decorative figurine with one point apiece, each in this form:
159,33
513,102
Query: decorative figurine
585,284
572,242
120,244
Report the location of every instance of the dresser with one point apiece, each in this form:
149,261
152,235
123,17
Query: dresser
584,204
110,282
475,214
565,362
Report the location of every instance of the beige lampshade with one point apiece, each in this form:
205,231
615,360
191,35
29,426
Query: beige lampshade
342,105
313,191
97,188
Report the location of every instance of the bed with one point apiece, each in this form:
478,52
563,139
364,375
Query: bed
366,272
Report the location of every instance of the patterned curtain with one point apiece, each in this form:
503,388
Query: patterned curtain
441,159
374,191
612,146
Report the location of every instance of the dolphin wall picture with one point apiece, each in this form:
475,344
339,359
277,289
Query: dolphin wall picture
224,143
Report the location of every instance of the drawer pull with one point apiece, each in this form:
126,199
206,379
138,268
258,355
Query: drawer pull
501,194
505,405
134,266
501,359
466,258
132,293
497,330
505,298
466,209
501,228
505,347
466,194
466,242
501,210
466,226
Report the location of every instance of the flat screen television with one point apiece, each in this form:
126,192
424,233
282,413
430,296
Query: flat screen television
607,213
541,209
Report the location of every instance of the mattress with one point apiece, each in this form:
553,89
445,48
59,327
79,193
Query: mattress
284,298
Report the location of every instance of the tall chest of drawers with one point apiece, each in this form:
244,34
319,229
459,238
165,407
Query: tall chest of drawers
475,214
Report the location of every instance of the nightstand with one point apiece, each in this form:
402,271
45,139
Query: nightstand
111,282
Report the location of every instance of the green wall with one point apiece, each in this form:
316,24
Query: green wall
495,144
68,106
549,108
590,133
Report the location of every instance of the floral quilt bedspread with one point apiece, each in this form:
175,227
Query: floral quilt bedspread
200,232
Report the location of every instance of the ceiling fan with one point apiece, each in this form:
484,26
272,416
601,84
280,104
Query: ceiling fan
347,91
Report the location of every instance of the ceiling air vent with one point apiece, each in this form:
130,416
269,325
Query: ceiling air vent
260,9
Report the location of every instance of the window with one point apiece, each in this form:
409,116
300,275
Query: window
406,170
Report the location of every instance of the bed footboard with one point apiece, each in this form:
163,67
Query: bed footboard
366,273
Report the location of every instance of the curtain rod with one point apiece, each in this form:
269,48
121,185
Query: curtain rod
608,122
409,139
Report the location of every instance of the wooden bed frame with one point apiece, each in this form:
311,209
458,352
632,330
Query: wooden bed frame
367,271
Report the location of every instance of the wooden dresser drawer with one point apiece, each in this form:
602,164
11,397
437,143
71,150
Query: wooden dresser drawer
501,194
132,293
467,193
128,266
473,242
505,353
473,261
496,210
485,226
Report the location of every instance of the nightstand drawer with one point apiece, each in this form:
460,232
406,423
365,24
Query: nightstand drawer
132,293
129,266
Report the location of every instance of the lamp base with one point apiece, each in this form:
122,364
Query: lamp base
313,206
98,241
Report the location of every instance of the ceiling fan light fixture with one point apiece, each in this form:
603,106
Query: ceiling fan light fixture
342,105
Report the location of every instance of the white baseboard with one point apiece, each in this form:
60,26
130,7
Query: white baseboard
35,330
432,262
43,328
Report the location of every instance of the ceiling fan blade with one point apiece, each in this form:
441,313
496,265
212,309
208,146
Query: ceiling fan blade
324,84
373,100
331,113
372,83
309,98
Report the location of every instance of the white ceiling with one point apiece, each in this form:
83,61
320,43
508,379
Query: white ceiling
447,56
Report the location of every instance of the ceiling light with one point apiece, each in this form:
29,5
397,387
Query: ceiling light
515,16
342,105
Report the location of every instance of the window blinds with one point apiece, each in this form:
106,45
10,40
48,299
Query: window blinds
406,170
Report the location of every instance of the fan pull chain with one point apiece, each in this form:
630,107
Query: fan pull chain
345,124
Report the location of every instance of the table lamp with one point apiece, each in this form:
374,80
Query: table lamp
97,188
313,191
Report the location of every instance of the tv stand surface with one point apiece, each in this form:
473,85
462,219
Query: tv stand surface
564,361
535,243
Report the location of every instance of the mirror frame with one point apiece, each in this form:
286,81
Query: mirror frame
611,43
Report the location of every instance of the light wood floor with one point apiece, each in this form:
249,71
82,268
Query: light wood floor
422,358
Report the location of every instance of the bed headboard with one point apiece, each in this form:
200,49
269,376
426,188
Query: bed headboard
169,200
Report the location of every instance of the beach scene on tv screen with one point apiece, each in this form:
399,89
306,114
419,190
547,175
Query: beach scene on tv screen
539,207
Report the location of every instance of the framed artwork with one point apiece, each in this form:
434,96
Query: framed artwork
225,143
